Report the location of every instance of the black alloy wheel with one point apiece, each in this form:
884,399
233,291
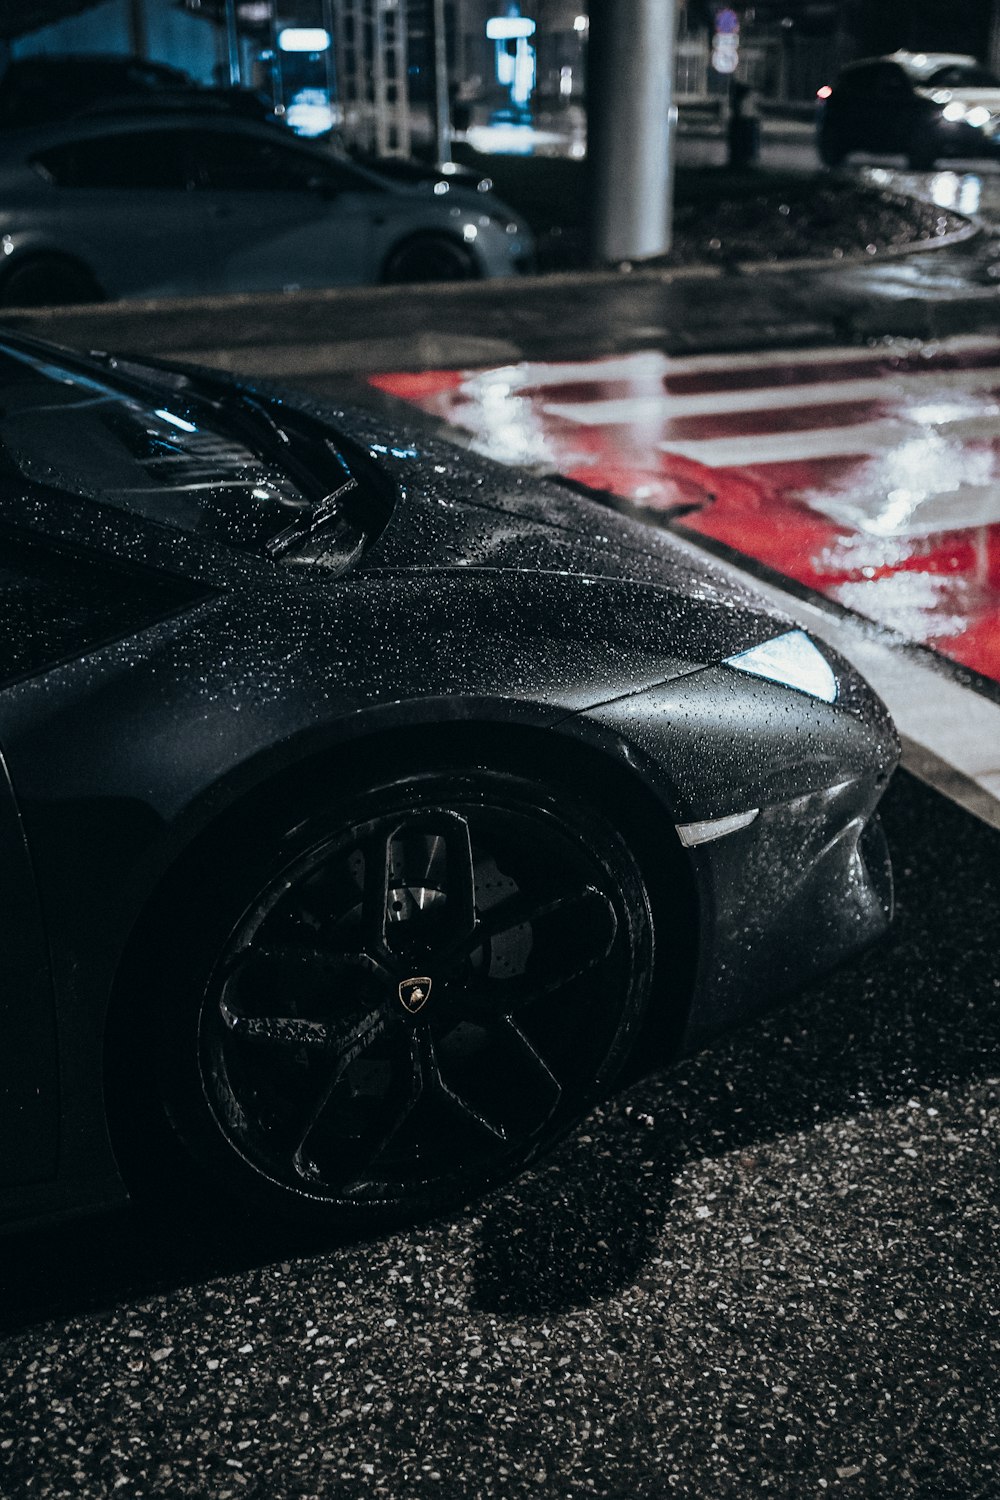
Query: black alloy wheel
419,992
429,257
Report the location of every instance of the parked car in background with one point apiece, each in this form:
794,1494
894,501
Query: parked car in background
920,105
184,202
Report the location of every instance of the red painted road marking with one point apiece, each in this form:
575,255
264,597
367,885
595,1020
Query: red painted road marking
872,476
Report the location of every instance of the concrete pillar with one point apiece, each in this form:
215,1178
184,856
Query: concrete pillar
233,45
137,38
441,103
630,127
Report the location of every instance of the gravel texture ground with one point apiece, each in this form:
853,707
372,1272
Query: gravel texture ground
724,215
771,1270
818,216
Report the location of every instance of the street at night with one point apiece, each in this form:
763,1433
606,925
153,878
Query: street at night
765,1268
500,749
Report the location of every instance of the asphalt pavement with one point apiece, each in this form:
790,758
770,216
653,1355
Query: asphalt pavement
770,1270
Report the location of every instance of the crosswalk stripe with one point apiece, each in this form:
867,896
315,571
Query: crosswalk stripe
629,367
861,440
628,410
903,512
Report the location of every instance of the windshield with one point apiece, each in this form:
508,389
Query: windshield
963,76
175,460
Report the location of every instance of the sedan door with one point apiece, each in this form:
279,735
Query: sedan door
282,217
127,208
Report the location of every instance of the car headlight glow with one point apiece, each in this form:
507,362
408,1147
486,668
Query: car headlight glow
791,660
975,115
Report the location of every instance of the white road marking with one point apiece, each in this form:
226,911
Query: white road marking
653,362
864,439
905,513
627,410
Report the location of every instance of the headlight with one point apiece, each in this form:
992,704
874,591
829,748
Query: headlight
977,116
791,660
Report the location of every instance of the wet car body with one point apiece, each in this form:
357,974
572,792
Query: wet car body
183,202
168,686
919,105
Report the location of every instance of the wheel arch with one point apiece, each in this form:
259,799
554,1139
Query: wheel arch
40,251
586,770
426,233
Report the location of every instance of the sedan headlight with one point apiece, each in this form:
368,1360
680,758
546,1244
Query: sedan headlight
976,115
792,660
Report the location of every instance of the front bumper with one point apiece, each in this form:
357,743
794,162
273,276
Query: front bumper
806,886
806,882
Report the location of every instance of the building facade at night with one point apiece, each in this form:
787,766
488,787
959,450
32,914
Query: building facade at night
366,66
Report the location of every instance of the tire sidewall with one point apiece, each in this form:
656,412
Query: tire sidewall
395,265
260,857
47,269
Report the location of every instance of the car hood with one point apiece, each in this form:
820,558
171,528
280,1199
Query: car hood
533,546
458,511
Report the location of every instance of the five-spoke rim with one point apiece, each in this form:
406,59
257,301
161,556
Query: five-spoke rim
418,997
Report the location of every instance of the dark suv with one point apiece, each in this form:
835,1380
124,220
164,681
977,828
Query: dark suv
921,105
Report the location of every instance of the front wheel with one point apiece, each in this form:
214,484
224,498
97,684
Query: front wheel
48,281
831,151
922,153
405,998
429,257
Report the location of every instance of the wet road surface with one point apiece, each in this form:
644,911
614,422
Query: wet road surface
769,1270
871,476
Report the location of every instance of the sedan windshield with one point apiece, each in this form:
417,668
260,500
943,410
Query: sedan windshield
184,463
962,76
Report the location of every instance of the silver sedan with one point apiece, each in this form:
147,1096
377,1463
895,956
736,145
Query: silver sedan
188,203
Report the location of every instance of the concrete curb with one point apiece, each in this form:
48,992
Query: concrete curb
700,270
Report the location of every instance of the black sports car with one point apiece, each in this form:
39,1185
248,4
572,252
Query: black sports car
369,808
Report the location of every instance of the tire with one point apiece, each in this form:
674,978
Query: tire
403,998
48,281
429,257
831,152
922,153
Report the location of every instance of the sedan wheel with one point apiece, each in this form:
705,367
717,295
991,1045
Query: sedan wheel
922,152
429,257
831,151
425,989
48,281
